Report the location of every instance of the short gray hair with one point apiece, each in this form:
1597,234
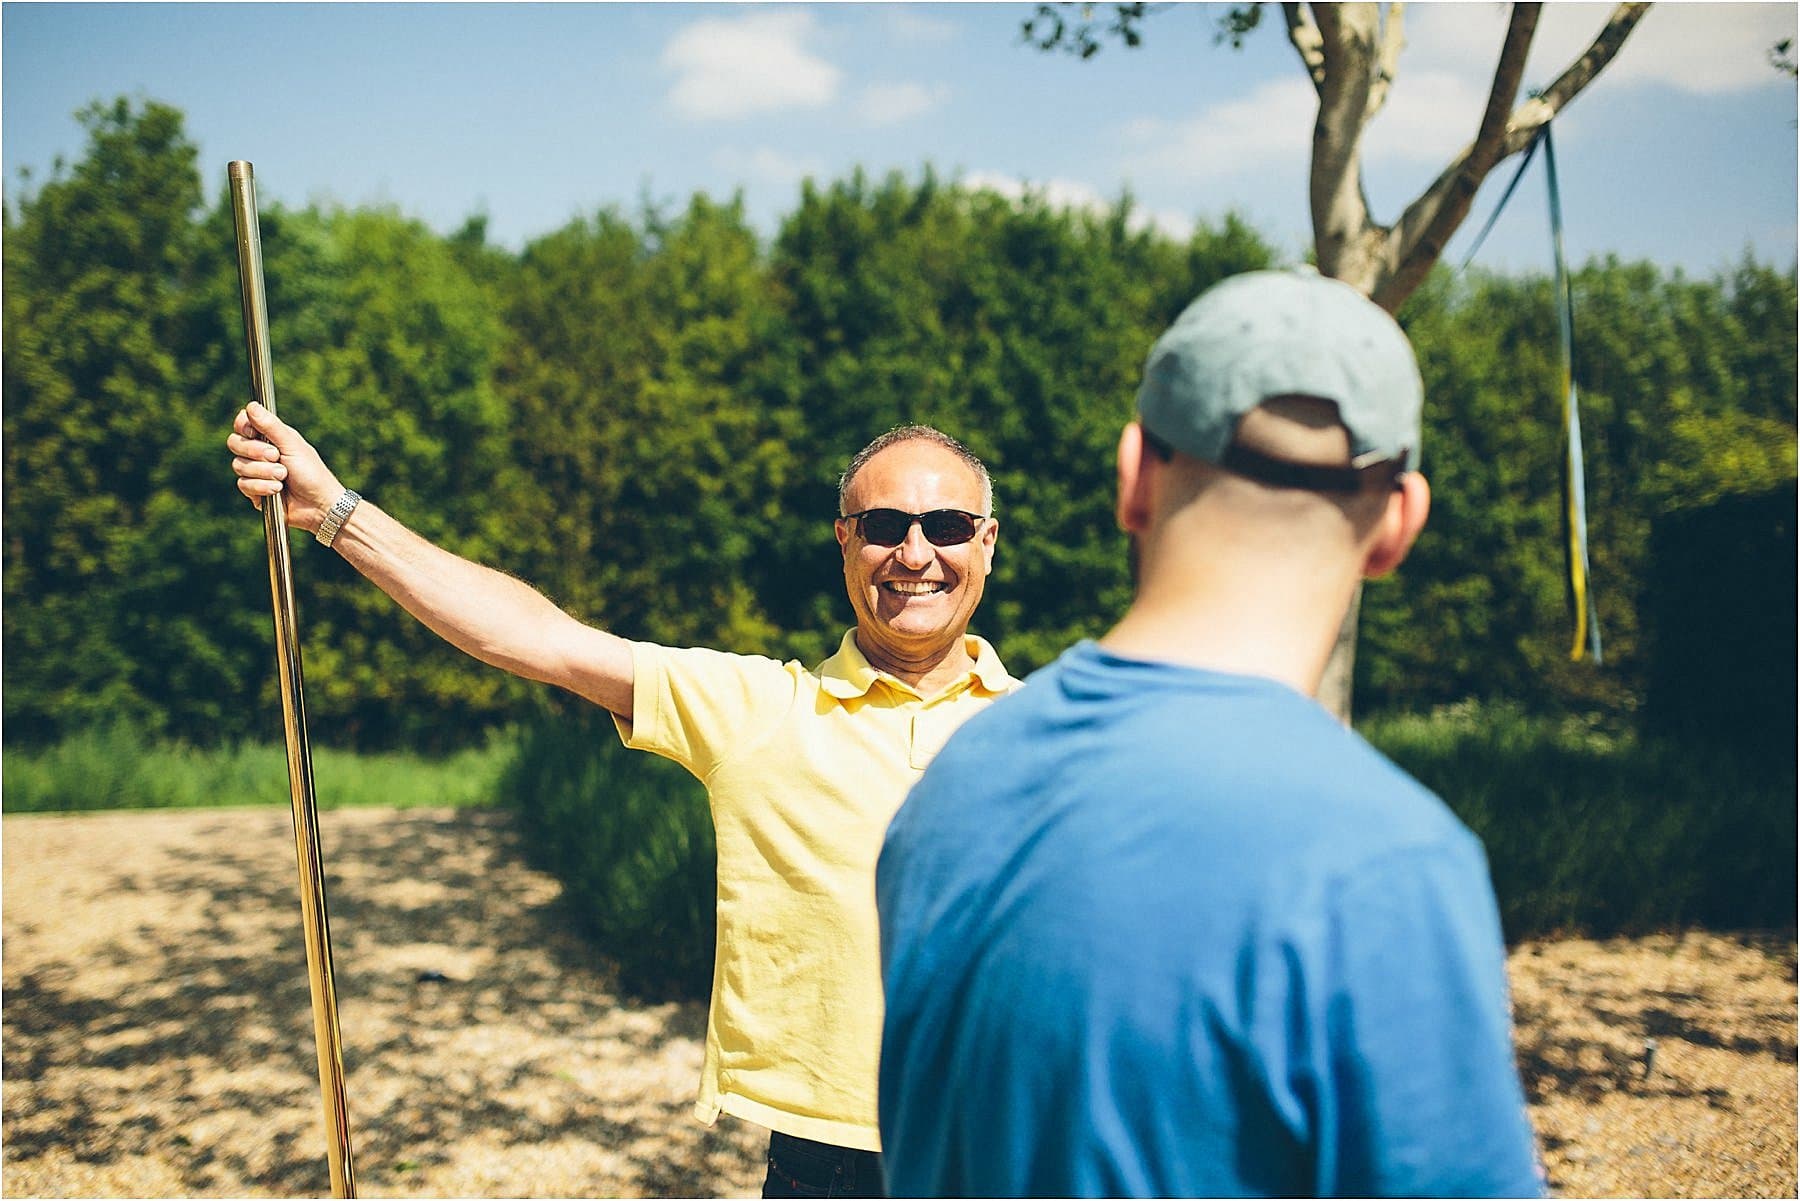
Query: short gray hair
918,433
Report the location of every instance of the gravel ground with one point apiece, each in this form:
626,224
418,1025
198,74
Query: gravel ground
158,1035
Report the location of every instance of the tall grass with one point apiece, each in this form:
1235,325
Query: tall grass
1598,831
116,767
1588,829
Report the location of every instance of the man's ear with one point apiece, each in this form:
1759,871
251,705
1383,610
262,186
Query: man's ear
1400,524
842,529
986,540
1134,480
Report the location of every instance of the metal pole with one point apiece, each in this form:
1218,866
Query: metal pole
314,920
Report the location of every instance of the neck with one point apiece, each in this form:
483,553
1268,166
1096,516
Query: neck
1251,613
925,672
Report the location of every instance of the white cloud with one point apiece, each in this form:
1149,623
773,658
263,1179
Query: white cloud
1271,127
912,25
732,67
1463,39
1428,117
1073,194
1169,223
1060,193
764,164
1697,48
891,103
1703,48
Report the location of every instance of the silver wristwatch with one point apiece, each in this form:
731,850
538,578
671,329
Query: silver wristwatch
334,520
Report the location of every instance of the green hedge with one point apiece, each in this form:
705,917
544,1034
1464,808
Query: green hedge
631,838
1588,831
645,415
1597,832
1719,608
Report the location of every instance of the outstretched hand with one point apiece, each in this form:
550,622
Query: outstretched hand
270,457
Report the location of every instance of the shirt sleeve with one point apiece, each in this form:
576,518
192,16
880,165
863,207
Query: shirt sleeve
699,706
1423,1095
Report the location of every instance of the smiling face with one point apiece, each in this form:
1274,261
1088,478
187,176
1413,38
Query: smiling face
914,601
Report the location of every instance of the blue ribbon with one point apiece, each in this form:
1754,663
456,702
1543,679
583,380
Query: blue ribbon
1574,510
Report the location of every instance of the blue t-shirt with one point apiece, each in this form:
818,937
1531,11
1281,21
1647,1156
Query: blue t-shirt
1150,930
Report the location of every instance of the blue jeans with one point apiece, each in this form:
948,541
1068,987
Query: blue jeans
799,1167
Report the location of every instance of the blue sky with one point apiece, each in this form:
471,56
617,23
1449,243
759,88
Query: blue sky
1684,153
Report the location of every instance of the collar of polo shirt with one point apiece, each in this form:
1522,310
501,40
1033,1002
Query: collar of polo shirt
848,673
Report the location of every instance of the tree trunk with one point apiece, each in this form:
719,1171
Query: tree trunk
1350,53
1358,263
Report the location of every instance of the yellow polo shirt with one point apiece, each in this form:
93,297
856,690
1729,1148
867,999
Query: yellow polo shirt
804,770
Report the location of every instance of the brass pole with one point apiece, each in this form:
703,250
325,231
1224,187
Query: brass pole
315,922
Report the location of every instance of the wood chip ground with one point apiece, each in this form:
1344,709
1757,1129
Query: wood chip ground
157,1031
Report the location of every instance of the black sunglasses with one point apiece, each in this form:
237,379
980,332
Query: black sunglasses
941,527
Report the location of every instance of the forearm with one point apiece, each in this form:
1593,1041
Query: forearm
488,614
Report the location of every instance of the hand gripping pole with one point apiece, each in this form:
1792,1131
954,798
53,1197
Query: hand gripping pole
314,919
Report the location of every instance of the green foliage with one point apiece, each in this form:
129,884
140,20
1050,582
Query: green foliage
135,583
1687,395
100,268
646,416
1719,608
644,353
383,350
1598,832
1781,57
631,837
1017,328
1079,34
118,766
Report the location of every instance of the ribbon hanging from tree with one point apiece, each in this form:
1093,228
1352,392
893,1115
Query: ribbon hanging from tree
1574,508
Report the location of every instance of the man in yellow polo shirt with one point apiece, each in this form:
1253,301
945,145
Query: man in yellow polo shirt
804,768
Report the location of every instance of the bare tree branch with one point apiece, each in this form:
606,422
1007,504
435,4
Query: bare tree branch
1387,65
1303,35
1350,51
1540,109
1418,239
1340,210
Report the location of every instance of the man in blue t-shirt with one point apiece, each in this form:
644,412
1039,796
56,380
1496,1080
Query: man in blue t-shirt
1159,924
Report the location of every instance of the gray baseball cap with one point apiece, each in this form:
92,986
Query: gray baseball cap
1264,334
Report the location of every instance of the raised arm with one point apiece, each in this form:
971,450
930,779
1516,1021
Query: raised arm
486,613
